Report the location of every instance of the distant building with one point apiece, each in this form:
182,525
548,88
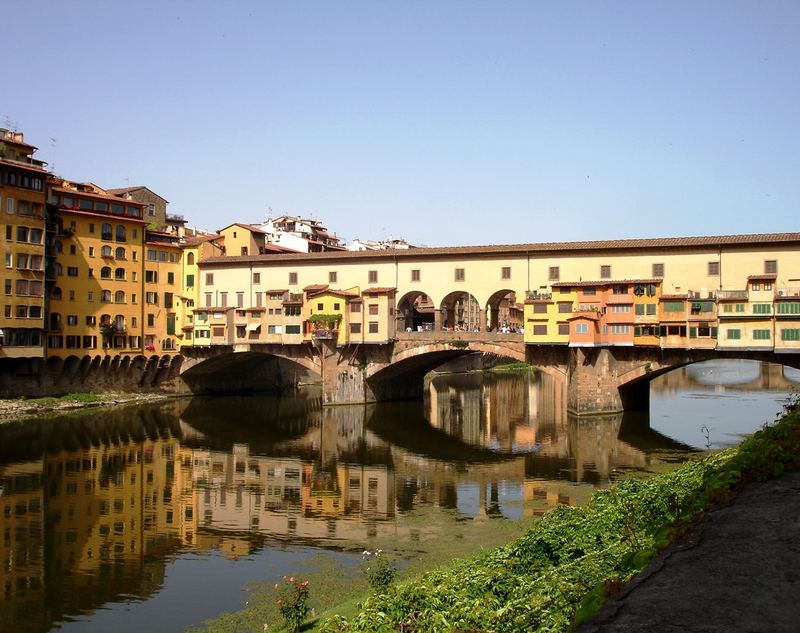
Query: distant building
383,245
154,206
300,235
22,222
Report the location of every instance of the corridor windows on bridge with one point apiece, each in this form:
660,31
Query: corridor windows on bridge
223,299
415,275
292,279
505,272
209,279
605,271
459,274
208,299
372,276
256,278
713,269
658,270
770,267
332,277
553,273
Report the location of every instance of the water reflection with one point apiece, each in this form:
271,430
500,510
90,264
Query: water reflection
96,509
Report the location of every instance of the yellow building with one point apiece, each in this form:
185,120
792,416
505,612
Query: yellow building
96,294
162,290
22,229
194,249
547,315
243,239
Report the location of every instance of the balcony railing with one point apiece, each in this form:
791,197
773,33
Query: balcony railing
538,296
732,294
787,292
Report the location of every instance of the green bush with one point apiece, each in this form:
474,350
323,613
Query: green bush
292,602
560,571
82,397
378,570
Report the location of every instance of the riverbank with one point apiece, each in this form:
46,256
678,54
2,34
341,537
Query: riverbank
19,409
560,571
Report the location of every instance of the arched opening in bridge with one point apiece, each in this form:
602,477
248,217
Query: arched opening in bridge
460,310
503,313
415,312
247,372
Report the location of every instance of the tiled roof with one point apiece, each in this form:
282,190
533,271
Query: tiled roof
666,297
534,249
378,291
117,191
21,165
604,282
765,277
249,227
276,291
200,239
100,196
315,287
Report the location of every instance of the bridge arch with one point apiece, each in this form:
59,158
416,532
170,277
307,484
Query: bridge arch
252,370
501,311
416,310
460,309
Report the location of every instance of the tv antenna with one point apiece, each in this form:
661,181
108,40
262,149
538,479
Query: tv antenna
53,154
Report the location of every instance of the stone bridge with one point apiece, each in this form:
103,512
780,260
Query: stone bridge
597,380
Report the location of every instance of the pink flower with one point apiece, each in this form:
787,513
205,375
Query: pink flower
291,579
276,585
304,583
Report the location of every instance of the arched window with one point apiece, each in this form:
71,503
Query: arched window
56,293
105,319
119,323
58,246
120,233
105,232
55,321
105,296
119,296
58,269
119,274
105,272
119,253
190,259
105,252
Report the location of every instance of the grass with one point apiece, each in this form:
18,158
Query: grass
517,367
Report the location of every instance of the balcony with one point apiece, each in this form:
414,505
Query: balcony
324,334
732,294
787,293
538,296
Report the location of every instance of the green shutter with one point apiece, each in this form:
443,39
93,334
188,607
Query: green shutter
692,332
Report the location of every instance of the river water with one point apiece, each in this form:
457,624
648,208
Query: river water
157,517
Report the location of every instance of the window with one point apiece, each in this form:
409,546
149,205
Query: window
190,259
91,227
292,279
540,308
762,308
170,278
564,307
332,277
105,296
788,308
373,327
755,286
713,269
620,309
209,279
293,329
151,209
190,281
168,299
540,329
120,233
119,253
770,267
790,334
505,272
151,276
651,309
256,278
459,274
673,306
372,277
620,329
91,320
553,273
581,328
223,299
563,329
320,307
355,328
761,335
605,272
373,308
105,232
151,320
239,299
151,298
639,309
72,271
208,300
415,275
355,307
733,335
658,270
119,296
105,272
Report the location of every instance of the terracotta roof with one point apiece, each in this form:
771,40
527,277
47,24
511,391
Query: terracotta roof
605,282
378,291
674,297
275,248
315,287
32,167
122,190
106,216
329,291
200,239
271,292
101,196
249,227
766,277
663,243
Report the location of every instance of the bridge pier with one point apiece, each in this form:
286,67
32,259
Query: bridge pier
592,382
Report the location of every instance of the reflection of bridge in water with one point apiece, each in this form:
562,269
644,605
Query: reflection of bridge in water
741,375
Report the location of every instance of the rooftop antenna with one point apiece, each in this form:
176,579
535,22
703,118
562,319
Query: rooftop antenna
53,152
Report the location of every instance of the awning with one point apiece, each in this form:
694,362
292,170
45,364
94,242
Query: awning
253,327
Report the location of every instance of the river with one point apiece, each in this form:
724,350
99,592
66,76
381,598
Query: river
158,517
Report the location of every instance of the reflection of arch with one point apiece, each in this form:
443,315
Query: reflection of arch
503,311
415,310
460,309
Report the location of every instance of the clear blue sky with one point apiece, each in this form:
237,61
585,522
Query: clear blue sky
441,122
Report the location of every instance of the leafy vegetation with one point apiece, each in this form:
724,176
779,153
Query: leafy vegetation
515,367
378,570
292,602
558,573
76,396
